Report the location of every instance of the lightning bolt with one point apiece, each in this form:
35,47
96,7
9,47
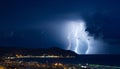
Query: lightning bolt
69,37
88,44
76,38
69,41
78,34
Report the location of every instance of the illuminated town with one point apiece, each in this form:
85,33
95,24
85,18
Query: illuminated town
13,62
22,58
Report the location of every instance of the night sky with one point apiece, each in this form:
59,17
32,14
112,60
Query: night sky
41,23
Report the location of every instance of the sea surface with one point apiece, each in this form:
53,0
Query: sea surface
111,60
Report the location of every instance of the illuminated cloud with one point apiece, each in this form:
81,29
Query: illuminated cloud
78,37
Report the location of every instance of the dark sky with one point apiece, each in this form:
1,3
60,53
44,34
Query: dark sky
32,23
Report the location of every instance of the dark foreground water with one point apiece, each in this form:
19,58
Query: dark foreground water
113,60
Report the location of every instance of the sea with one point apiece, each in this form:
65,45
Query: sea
110,60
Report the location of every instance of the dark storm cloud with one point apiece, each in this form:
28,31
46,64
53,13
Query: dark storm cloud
104,23
19,18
